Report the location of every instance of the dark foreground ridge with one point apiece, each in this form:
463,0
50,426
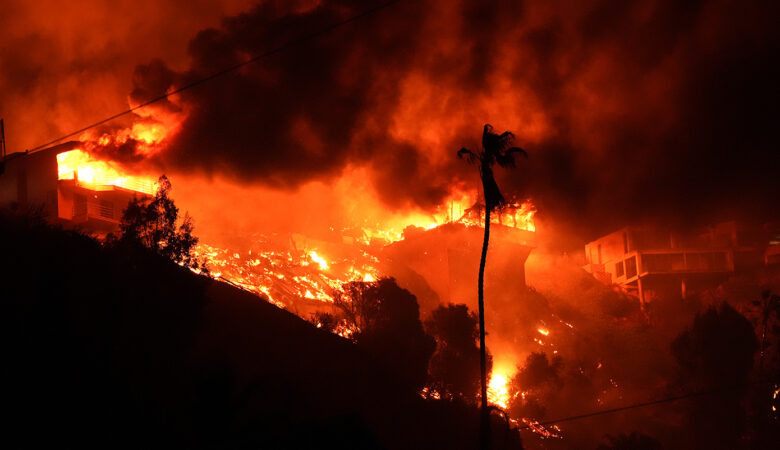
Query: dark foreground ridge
116,347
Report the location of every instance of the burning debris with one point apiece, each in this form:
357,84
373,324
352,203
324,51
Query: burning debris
290,277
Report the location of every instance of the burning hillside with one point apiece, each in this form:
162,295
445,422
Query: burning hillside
315,145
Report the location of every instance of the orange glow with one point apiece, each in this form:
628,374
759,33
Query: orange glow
498,390
319,260
78,165
286,275
543,331
459,207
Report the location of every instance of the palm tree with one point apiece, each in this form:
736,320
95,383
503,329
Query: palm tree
495,149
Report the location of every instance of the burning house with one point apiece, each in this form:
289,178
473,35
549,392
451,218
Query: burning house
448,255
651,262
69,187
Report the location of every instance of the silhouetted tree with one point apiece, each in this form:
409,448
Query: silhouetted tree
454,368
765,403
538,378
152,223
716,353
387,322
495,149
633,441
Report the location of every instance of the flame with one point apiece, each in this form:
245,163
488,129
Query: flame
285,275
543,331
319,260
553,431
498,390
459,207
80,166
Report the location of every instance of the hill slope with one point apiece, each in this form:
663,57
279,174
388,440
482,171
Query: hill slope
115,347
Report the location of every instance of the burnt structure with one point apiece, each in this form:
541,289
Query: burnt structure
36,181
651,262
448,257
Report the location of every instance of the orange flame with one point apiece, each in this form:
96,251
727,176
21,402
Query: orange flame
78,165
498,390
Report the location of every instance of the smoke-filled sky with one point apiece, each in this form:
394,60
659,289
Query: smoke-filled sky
629,110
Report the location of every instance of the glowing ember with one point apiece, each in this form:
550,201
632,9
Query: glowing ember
78,165
541,430
284,274
543,331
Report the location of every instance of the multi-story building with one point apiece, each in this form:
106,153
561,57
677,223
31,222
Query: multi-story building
448,259
650,262
68,187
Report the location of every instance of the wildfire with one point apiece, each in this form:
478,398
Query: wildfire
80,166
302,276
461,207
285,275
498,389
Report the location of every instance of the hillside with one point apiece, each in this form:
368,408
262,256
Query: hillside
115,347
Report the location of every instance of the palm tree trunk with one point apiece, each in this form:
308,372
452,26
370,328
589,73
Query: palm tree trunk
484,429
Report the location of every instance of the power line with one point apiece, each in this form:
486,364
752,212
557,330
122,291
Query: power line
642,405
226,70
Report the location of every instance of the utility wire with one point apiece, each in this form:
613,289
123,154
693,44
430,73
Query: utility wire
226,70
642,405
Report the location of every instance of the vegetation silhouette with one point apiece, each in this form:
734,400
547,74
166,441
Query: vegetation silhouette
454,368
116,346
717,351
495,150
765,401
539,379
152,223
387,320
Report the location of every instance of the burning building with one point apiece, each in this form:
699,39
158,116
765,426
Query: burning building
448,255
69,187
651,262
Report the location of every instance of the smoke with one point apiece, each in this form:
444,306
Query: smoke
630,111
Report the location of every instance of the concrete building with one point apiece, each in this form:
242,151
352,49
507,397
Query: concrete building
448,258
40,180
650,262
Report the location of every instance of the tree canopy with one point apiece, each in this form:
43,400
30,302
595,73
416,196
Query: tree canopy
454,368
716,353
387,322
154,224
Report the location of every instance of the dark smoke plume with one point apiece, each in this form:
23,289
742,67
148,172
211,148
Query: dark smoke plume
630,110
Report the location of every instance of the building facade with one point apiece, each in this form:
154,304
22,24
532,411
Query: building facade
650,262
49,181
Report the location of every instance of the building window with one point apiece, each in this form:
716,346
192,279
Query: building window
599,252
631,267
619,269
106,209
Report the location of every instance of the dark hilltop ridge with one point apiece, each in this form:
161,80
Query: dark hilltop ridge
116,347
